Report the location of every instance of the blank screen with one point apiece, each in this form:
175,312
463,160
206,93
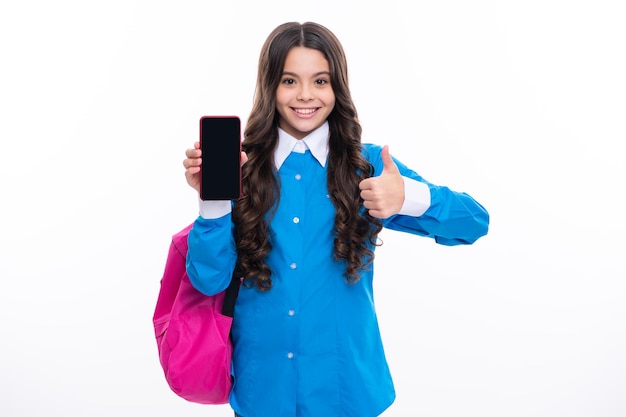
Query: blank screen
220,141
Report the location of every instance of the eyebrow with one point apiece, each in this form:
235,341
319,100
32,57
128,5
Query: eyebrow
317,74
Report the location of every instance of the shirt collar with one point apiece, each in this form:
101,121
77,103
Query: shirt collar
316,142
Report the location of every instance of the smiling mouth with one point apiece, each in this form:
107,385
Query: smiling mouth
305,112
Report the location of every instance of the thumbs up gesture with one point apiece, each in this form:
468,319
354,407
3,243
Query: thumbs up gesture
383,196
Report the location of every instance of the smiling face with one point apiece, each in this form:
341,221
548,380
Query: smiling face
304,97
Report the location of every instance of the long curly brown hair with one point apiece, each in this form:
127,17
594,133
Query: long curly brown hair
355,229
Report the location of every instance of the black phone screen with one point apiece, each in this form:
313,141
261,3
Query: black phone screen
220,142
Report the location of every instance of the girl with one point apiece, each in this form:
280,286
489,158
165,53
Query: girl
305,333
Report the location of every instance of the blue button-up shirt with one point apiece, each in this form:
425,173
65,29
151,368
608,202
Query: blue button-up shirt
311,346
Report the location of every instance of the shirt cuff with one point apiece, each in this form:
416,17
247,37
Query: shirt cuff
416,198
214,209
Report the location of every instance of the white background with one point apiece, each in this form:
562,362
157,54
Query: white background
519,103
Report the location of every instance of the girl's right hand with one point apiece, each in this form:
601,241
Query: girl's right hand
192,166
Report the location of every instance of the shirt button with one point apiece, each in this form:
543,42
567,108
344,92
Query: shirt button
296,220
290,355
291,313
293,265
298,177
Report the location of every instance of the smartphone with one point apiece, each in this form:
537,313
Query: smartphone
220,172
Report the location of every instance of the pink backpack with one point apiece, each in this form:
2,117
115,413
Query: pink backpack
193,331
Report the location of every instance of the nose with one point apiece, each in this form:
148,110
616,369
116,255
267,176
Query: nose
305,93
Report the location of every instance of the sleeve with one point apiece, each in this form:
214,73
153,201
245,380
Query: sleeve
452,218
211,254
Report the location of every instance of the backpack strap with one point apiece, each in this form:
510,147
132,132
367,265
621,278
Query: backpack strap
228,309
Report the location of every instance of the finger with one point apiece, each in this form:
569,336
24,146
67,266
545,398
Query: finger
193,158
192,163
366,184
193,153
367,195
388,164
379,214
191,171
244,158
370,205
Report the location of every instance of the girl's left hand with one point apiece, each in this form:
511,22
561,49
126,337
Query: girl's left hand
383,196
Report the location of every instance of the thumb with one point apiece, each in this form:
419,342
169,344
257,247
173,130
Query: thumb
388,165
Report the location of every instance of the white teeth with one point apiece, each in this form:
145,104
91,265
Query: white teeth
304,111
